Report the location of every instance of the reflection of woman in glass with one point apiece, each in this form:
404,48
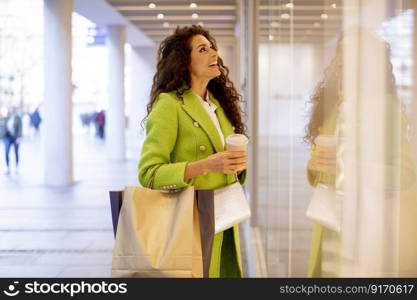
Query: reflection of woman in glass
326,116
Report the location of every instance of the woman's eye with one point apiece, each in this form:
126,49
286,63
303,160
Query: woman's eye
202,49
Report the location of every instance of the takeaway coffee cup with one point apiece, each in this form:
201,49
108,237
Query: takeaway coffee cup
236,142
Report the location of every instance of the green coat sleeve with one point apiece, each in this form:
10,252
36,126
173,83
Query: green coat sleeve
161,136
311,176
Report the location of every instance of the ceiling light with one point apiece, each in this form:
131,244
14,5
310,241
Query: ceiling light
193,5
151,5
334,5
317,24
324,16
285,16
160,16
289,5
165,24
275,24
194,16
270,37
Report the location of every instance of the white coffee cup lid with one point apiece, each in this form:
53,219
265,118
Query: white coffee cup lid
237,139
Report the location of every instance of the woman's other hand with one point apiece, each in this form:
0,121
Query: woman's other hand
323,160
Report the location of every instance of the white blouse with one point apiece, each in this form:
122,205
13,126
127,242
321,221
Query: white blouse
211,108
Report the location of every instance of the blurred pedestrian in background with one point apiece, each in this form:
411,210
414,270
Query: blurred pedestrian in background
35,120
12,133
100,121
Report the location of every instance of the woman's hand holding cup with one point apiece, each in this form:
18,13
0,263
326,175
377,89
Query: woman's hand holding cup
228,162
231,161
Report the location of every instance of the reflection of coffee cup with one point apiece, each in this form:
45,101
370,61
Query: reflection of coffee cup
329,145
325,140
236,142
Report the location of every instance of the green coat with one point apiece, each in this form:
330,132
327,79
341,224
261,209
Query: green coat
395,165
181,131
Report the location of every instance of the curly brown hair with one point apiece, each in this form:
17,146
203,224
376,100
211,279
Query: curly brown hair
174,58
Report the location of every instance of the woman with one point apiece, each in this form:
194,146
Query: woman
193,107
395,164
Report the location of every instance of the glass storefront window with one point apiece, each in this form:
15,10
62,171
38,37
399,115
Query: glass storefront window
336,102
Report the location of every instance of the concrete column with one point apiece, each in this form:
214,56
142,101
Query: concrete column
142,66
115,114
57,133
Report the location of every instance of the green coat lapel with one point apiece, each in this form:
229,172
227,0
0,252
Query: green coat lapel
197,112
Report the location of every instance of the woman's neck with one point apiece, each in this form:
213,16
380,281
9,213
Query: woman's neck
199,86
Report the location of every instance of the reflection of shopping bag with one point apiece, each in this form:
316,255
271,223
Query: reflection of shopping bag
325,207
155,235
230,206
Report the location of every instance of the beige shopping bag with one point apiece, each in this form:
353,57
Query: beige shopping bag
157,235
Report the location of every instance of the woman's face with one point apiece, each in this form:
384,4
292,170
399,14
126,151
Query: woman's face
203,58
